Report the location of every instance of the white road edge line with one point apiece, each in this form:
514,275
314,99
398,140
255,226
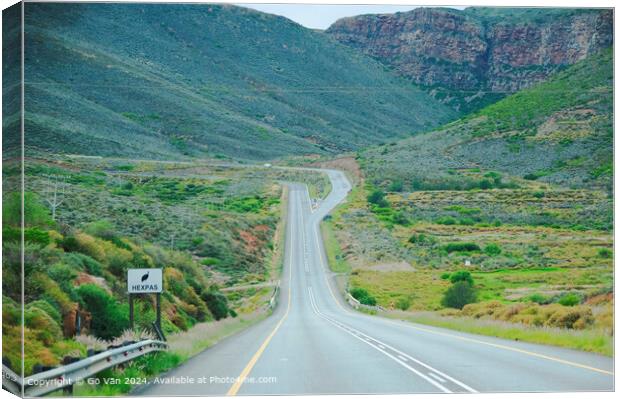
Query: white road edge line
405,365
456,336
321,256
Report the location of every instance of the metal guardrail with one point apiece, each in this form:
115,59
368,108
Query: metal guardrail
64,376
357,304
274,297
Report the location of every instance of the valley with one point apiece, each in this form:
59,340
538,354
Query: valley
394,208
517,196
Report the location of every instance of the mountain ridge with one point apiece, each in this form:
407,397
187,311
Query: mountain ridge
470,58
197,80
559,132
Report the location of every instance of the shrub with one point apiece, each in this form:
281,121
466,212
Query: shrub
400,218
35,213
45,327
69,244
605,253
446,220
396,185
458,295
492,249
62,274
217,304
102,229
31,234
47,308
577,317
417,238
89,246
538,298
377,197
462,275
118,264
208,261
570,299
108,318
403,303
363,296
445,276
245,205
485,184
461,247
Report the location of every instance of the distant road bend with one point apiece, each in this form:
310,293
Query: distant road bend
315,344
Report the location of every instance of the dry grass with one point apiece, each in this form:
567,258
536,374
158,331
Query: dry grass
204,335
593,340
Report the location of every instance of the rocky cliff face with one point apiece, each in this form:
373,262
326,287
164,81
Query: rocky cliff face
471,57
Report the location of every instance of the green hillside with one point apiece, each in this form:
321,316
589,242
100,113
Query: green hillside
558,132
206,227
139,80
517,197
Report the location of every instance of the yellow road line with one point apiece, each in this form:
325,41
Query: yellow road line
248,368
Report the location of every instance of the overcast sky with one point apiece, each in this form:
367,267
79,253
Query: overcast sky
320,16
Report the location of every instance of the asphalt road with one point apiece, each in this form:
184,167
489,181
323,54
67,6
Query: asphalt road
315,344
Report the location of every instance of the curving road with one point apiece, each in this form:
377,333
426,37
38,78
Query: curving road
315,344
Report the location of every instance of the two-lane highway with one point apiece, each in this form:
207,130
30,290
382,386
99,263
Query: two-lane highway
315,344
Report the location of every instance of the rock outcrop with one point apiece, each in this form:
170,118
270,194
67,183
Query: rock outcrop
469,57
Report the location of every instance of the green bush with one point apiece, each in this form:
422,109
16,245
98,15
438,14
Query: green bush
461,247
492,249
70,244
569,300
245,205
538,298
48,308
403,303
63,275
605,253
458,295
109,319
400,218
377,197
209,261
31,234
461,275
419,239
102,229
83,262
446,220
396,185
217,304
363,296
35,213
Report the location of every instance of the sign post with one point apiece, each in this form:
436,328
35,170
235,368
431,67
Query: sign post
144,281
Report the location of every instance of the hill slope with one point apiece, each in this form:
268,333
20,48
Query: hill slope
469,58
205,80
558,132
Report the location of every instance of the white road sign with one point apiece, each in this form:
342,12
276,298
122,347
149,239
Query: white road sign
144,280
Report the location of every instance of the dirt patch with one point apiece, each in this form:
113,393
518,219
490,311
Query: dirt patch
250,241
392,267
262,228
85,278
